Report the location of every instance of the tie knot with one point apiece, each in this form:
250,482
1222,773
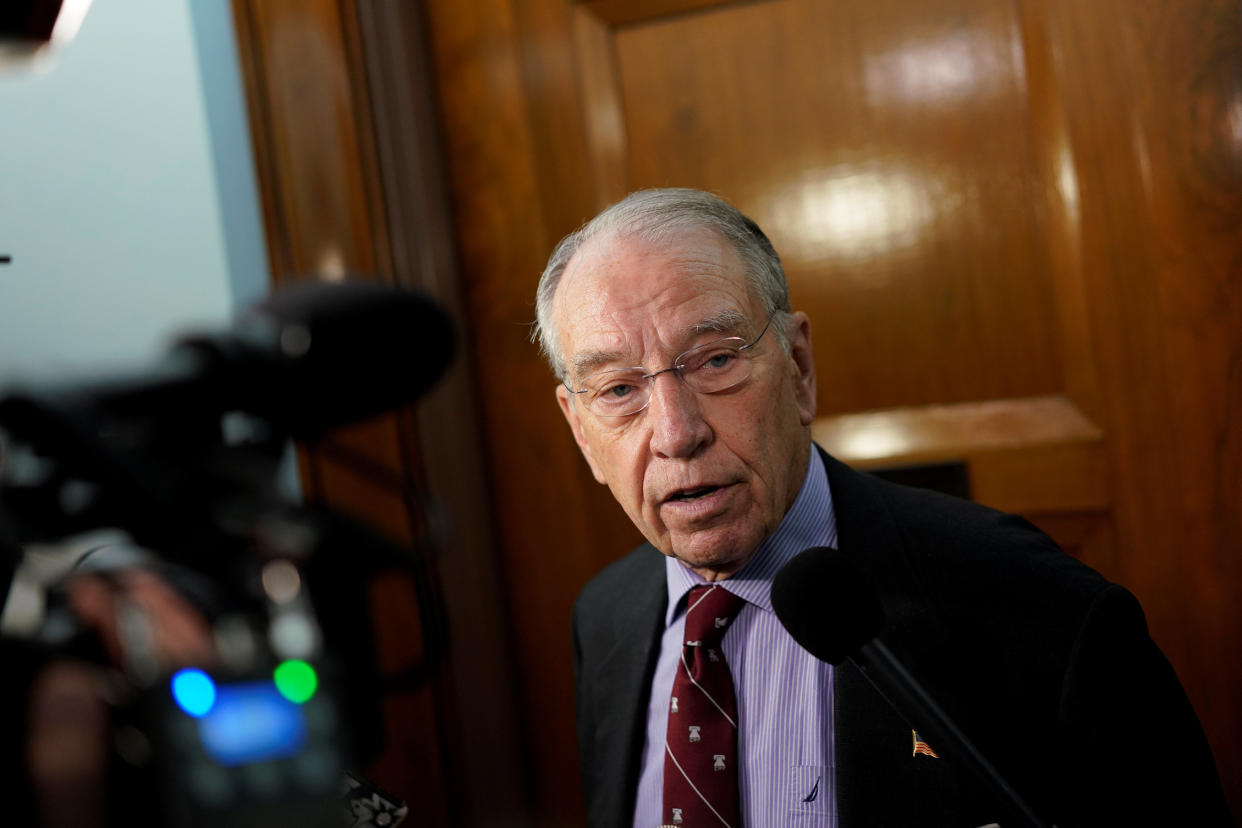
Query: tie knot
710,609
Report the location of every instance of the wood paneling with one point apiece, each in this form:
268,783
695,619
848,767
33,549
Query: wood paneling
1157,142
296,56
933,433
620,12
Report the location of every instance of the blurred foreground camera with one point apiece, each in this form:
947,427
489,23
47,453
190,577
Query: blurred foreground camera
183,462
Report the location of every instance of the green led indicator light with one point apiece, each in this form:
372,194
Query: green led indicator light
296,680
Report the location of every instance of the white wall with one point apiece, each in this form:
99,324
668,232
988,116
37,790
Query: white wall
127,194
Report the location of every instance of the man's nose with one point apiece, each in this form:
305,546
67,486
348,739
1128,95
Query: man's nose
675,417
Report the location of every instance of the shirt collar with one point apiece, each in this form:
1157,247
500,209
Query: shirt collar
811,521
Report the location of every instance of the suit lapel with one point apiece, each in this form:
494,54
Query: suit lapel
868,534
880,782
621,684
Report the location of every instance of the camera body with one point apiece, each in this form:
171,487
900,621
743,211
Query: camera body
199,750
187,458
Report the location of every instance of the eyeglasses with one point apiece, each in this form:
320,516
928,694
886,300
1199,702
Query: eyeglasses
708,369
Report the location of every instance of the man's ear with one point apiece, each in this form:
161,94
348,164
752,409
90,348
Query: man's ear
575,425
804,366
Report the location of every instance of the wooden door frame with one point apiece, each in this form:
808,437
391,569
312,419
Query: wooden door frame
407,221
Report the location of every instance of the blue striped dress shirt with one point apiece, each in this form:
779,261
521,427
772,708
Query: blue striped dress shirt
784,694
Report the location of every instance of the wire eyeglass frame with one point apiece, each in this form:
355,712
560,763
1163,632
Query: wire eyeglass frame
624,392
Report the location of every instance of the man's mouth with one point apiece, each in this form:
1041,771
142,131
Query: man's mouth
692,494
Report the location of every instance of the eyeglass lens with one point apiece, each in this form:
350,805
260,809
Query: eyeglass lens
707,369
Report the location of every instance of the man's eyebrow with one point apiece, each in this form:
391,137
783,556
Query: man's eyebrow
726,322
588,362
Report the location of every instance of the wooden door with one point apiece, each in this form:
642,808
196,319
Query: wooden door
1014,226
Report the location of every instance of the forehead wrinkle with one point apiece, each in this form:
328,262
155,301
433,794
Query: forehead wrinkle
727,321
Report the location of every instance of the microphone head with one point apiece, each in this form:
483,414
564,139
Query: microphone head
315,355
826,603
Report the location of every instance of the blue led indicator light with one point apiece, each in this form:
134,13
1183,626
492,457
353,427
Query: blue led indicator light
252,722
194,692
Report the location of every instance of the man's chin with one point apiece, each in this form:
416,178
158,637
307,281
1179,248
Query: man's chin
713,555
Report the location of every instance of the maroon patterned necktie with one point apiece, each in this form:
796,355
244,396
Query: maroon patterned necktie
700,751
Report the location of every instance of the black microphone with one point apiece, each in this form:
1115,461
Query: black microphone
833,611
312,356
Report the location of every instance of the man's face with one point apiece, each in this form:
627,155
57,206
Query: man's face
705,477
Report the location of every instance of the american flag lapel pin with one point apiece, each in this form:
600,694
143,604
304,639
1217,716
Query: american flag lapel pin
922,747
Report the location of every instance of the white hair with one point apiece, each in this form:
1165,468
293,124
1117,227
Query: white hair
654,216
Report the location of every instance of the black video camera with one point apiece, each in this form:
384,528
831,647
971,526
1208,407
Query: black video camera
186,459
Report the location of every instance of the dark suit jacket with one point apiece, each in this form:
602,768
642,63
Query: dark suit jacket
1047,667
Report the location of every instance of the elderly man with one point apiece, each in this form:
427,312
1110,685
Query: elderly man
689,386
